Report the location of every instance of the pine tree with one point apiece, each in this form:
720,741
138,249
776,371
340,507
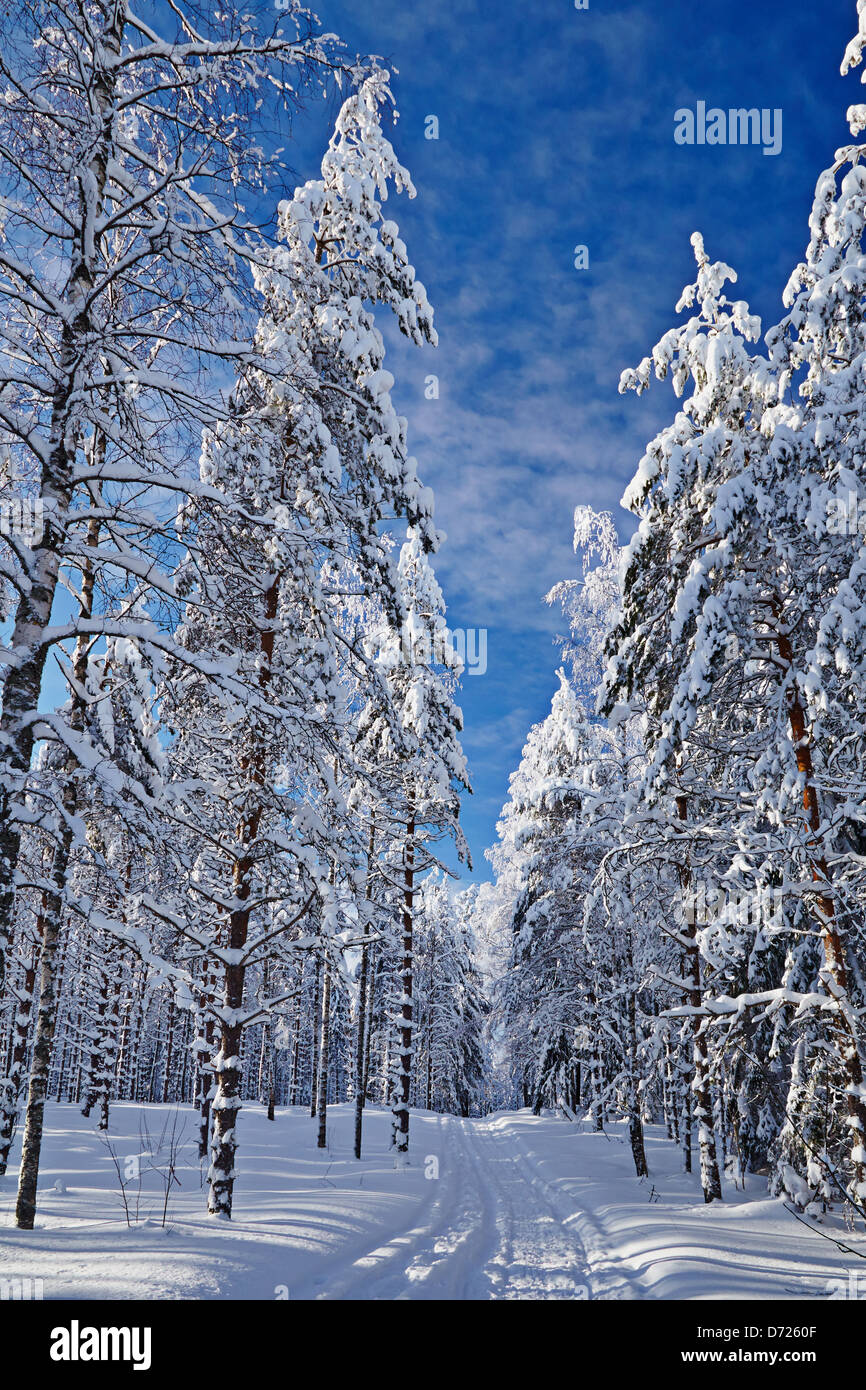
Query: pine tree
423,768
313,459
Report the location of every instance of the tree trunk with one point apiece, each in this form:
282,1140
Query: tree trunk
324,1040
361,1049
94,1034
711,1182
635,1123
103,1054
266,1053
204,1075
314,1043
363,989
672,1118
12,1085
169,1049
23,681
597,1100
296,1040
404,1075
387,1079
49,974
835,952
368,1030
40,1066
227,1101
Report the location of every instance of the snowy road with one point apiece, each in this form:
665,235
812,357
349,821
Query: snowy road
492,1233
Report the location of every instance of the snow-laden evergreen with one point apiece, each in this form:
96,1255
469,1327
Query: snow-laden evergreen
234,884
199,841
721,798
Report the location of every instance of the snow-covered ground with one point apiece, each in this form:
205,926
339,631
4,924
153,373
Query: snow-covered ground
512,1206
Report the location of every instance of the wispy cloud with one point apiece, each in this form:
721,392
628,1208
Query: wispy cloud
556,129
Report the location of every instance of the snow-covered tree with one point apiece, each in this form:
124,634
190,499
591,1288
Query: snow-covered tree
314,459
125,280
421,770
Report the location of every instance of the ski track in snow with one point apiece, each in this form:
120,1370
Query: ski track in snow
493,1234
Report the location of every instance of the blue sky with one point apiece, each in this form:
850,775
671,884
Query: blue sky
556,129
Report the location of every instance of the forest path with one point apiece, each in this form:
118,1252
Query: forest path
491,1233
512,1206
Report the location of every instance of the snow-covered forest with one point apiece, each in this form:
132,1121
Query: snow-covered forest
245,968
